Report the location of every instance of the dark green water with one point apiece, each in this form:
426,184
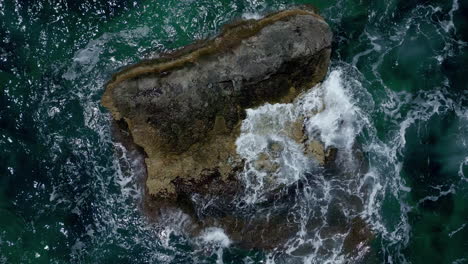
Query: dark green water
66,198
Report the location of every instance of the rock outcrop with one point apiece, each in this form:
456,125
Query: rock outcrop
185,108
183,112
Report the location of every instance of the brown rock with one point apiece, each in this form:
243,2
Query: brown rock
185,108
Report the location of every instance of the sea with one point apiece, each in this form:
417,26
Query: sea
396,89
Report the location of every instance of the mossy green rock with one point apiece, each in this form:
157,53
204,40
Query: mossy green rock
185,108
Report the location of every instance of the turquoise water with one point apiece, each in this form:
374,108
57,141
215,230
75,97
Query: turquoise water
66,198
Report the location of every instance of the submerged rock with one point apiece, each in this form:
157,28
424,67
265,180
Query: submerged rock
185,108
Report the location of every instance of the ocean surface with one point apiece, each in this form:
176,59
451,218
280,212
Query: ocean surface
397,87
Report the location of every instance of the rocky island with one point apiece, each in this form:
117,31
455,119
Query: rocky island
185,108
185,111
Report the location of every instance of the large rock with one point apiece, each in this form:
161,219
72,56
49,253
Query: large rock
185,108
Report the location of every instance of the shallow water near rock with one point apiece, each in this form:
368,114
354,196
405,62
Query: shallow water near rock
396,88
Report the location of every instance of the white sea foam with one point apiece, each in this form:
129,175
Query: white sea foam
448,25
263,132
331,113
250,15
328,115
337,123
215,235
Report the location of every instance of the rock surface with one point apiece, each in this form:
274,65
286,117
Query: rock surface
185,108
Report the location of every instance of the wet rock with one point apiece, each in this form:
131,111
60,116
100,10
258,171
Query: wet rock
185,108
296,130
264,231
312,147
357,241
266,164
323,155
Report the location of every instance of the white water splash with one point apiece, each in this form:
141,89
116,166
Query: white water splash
337,123
264,133
325,113
215,235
